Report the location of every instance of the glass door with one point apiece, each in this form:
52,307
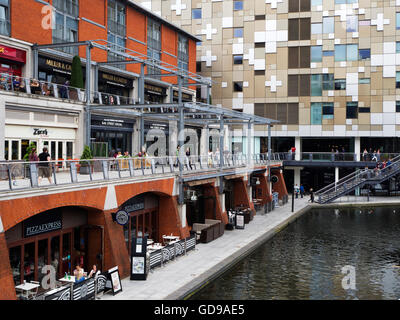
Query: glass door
66,266
42,257
55,254
15,263
29,261
53,150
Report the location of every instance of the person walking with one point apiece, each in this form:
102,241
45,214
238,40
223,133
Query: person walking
188,156
301,191
311,195
296,190
44,165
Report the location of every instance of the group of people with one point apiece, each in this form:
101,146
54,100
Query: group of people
371,155
79,273
301,191
338,153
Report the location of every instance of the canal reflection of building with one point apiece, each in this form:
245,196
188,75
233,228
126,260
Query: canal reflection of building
62,238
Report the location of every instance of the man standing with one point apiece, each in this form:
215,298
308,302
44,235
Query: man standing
44,165
296,190
301,191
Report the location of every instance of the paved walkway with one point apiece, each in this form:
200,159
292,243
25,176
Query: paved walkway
177,279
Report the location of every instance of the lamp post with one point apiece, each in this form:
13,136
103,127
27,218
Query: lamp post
293,200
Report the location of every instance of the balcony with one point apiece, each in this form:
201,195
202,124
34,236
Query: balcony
40,88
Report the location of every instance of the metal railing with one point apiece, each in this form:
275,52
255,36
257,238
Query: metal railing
19,175
329,156
48,89
357,179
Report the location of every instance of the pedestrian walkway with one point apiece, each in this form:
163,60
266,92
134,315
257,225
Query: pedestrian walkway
176,279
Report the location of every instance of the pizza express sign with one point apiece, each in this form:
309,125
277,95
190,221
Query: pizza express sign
42,223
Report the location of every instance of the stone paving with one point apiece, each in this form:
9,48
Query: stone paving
178,278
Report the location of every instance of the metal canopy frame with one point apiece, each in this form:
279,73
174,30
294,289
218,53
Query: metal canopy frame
183,112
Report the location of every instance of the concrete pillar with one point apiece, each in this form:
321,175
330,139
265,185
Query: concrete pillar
336,174
297,175
222,201
2,127
173,141
357,147
204,141
182,214
297,145
136,138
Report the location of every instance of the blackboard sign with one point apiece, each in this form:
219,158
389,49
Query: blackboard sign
138,259
239,221
42,223
115,280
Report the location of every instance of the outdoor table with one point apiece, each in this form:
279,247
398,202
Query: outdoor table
154,247
70,280
169,239
150,242
26,288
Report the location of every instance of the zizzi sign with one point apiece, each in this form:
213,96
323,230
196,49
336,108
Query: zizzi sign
42,223
40,132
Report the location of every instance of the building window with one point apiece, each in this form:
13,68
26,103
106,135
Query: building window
238,59
196,13
364,110
299,5
66,29
238,32
398,20
328,81
364,81
154,46
345,52
300,29
328,25
116,24
298,85
259,17
340,84
316,28
316,2
316,54
4,18
316,85
237,5
345,1
328,53
286,113
316,113
183,55
397,80
198,66
299,57
352,110
397,47
238,86
397,106
327,110
352,24
364,54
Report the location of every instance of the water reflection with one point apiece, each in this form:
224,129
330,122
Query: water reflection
305,260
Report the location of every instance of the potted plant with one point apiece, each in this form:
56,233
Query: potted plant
31,146
76,77
85,166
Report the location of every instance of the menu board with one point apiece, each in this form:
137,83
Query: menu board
115,280
239,221
138,265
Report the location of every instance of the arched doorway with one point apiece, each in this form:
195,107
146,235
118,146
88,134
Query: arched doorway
143,211
60,237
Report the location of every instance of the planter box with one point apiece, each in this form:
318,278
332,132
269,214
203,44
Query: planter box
84,169
205,232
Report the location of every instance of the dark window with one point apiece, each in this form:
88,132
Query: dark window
198,66
364,110
304,85
238,59
294,6
293,85
286,113
299,85
259,17
259,72
5,18
259,109
352,110
293,113
293,29
299,5
397,106
328,81
299,57
259,45
340,84
305,29
364,54
238,86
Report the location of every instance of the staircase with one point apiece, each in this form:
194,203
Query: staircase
357,180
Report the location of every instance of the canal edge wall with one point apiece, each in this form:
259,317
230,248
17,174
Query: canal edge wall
205,278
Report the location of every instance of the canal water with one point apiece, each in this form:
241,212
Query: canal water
326,254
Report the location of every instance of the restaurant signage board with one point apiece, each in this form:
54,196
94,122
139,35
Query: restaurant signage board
138,259
42,223
115,80
115,280
12,54
134,204
55,65
239,221
122,217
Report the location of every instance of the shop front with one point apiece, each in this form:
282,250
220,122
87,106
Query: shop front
12,60
60,142
185,97
110,135
60,238
154,94
55,70
143,221
157,135
111,85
